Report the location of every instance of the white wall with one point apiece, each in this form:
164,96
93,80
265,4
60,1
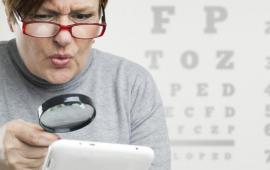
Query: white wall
211,61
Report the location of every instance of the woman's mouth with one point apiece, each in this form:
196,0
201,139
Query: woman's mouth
60,61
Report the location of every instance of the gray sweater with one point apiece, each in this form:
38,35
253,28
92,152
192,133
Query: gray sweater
128,105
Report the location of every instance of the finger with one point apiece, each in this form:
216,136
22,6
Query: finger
28,169
31,152
38,127
34,126
16,162
36,138
13,146
34,163
24,163
29,135
19,155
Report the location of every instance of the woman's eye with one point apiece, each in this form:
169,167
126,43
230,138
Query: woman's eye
81,16
42,17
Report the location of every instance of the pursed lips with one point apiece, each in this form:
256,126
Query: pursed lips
59,60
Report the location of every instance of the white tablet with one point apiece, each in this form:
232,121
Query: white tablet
83,155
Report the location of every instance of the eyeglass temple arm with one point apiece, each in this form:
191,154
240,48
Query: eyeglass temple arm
103,19
18,19
17,15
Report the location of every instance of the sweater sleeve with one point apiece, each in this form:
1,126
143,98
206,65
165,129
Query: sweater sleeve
148,126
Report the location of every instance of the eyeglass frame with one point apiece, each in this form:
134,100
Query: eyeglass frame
103,23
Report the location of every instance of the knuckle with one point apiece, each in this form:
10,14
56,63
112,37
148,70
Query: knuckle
9,127
33,139
37,163
11,144
13,125
12,161
11,149
17,167
9,154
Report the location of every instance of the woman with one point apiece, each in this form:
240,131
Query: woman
52,55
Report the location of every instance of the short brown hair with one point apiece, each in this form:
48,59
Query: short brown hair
25,7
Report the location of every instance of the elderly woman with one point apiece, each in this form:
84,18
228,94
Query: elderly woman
52,55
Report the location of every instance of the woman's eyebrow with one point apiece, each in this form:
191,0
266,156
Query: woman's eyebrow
74,10
47,10
83,9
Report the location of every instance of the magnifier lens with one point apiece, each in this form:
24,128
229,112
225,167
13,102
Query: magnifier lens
66,113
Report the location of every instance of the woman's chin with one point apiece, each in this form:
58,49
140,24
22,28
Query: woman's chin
59,78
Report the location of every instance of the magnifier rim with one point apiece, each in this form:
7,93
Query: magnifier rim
61,99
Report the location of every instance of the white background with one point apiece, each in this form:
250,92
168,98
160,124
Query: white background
244,76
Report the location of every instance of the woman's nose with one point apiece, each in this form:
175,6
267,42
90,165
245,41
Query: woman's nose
63,37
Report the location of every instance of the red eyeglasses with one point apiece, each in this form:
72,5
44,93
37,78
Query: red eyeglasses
43,29
46,29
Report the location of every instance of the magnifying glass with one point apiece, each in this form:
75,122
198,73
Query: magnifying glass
66,113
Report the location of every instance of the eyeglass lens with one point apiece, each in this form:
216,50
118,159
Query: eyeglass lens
49,29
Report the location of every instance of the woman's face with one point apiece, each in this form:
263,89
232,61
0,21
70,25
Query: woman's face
58,59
